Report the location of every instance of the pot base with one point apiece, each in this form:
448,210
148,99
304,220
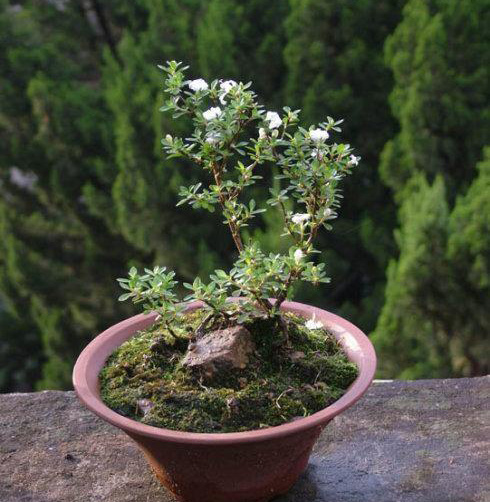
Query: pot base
252,466
249,472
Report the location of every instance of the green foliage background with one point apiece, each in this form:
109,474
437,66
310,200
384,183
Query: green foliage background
86,192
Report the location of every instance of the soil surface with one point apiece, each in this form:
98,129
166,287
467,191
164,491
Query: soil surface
231,379
423,441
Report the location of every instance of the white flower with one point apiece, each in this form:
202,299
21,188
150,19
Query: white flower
198,85
212,138
169,138
273,119
353,160
300,217
318,135
262,133
225,87
298,255
213,113
313,324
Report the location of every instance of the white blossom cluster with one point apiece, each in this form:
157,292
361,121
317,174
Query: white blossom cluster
313,323
225,86
198,85
319,135
300,218
213,113
274,120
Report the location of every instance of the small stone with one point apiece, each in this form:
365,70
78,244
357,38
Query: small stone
220,349
144,405
232,403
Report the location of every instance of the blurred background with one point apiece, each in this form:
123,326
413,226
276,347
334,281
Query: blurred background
85,190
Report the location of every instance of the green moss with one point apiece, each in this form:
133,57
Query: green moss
273,389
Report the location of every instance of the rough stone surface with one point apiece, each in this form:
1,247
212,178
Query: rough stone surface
427,441
220,349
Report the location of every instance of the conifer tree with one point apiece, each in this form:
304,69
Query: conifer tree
435,318
410,340
440,59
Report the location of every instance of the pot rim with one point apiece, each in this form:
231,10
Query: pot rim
357,345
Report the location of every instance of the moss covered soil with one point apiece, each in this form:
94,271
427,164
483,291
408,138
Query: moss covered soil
145,380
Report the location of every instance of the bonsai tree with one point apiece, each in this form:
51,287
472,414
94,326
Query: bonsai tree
234,137
223,367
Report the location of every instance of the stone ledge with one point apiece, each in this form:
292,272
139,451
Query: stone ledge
427,440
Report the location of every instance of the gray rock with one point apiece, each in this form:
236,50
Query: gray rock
220,349
423,441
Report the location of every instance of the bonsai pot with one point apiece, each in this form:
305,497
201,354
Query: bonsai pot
252,466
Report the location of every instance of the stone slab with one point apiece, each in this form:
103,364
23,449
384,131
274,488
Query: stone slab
427,440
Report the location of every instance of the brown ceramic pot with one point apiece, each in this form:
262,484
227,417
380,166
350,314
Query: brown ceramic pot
252,466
